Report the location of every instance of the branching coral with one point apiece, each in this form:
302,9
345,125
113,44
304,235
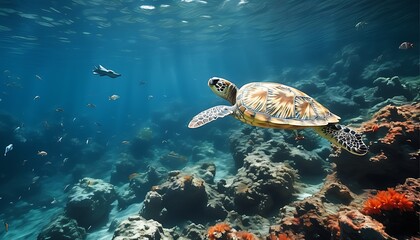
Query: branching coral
387,201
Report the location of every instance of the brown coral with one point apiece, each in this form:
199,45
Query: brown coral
394,122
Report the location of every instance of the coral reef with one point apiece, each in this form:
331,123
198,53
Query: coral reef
223,231
136,227
180,197
279,147
390,87
141,183
62,228
89,201
141,145
355,225
333,213
397,209
261,185
393,136
125,166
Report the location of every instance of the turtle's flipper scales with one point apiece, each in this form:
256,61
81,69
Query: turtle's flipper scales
344,137
209,115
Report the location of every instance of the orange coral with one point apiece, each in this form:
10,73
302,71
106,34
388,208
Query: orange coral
243,235
219,231
281,236
386,201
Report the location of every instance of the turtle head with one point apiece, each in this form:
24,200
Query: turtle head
223,88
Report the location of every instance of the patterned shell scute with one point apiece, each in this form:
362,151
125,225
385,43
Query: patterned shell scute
265,103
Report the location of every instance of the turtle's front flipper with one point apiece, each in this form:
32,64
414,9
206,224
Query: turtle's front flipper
209,115
343,137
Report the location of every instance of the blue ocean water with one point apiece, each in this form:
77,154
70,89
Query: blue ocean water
166,51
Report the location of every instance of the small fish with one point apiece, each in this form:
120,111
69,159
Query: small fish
6,226
59,110
66,187
38,77
74,119
91,105
150,97
17,129
113,97
8,149
406,45
60,139
37,97
42,153
360,25
54,201
35,179
125,142
101,71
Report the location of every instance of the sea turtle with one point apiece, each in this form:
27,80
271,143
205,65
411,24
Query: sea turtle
274,105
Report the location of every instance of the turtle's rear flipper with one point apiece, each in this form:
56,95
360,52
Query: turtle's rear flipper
343,137
209,115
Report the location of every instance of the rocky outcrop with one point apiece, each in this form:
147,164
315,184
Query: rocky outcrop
314,215
388,87
180,197
403,221
354,225
136,227
280,146
393,138
261,185
89,201
62,228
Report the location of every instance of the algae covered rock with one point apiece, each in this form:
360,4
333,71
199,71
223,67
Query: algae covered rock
62,228
261,185
180,197
136,227
89,201
354,225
